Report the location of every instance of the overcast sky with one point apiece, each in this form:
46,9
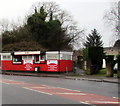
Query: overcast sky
87,13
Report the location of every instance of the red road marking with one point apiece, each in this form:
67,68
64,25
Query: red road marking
77,95
83,97
91,98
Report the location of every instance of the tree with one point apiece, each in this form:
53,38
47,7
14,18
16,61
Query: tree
93,52
67,25
49,30
112,17
93,40
23,46
49,27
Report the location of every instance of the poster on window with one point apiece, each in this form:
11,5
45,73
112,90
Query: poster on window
28,64
52,65
28,61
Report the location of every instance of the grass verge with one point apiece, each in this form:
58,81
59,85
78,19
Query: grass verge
102,73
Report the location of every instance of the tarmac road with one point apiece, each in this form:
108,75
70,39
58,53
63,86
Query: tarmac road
42,90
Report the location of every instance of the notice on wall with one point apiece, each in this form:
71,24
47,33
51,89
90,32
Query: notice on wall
52,65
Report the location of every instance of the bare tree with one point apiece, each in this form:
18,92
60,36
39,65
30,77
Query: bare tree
113,18
4,25
7,25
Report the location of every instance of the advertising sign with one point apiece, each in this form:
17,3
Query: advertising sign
28,64
52,65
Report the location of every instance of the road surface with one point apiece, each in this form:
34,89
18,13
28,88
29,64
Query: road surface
47,90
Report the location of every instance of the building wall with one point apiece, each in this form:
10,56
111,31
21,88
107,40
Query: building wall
111,51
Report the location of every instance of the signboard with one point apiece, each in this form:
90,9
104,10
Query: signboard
52,65
27,53
28,64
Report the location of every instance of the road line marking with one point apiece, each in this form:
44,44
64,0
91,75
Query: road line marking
37,87
6,83
68,89
61,88
7,80
12,80
44,85
49,86
105,102
37,91
116,97
72,93
84,102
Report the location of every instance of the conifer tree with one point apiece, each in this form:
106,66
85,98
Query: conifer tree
93,40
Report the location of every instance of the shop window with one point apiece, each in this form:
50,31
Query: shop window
66,57
17,59
52,56
37,59
69,57
27,58
42,57
6,57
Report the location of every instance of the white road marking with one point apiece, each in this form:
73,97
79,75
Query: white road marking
5,83
37,87
13,80
49,86
68,89
116,97
72,93
8,80
37,91
84,102
110,102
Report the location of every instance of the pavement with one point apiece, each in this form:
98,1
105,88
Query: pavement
77,75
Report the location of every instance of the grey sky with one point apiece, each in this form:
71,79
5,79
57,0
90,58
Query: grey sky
87,13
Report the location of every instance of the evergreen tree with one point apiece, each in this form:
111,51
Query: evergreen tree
48,33
93,40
